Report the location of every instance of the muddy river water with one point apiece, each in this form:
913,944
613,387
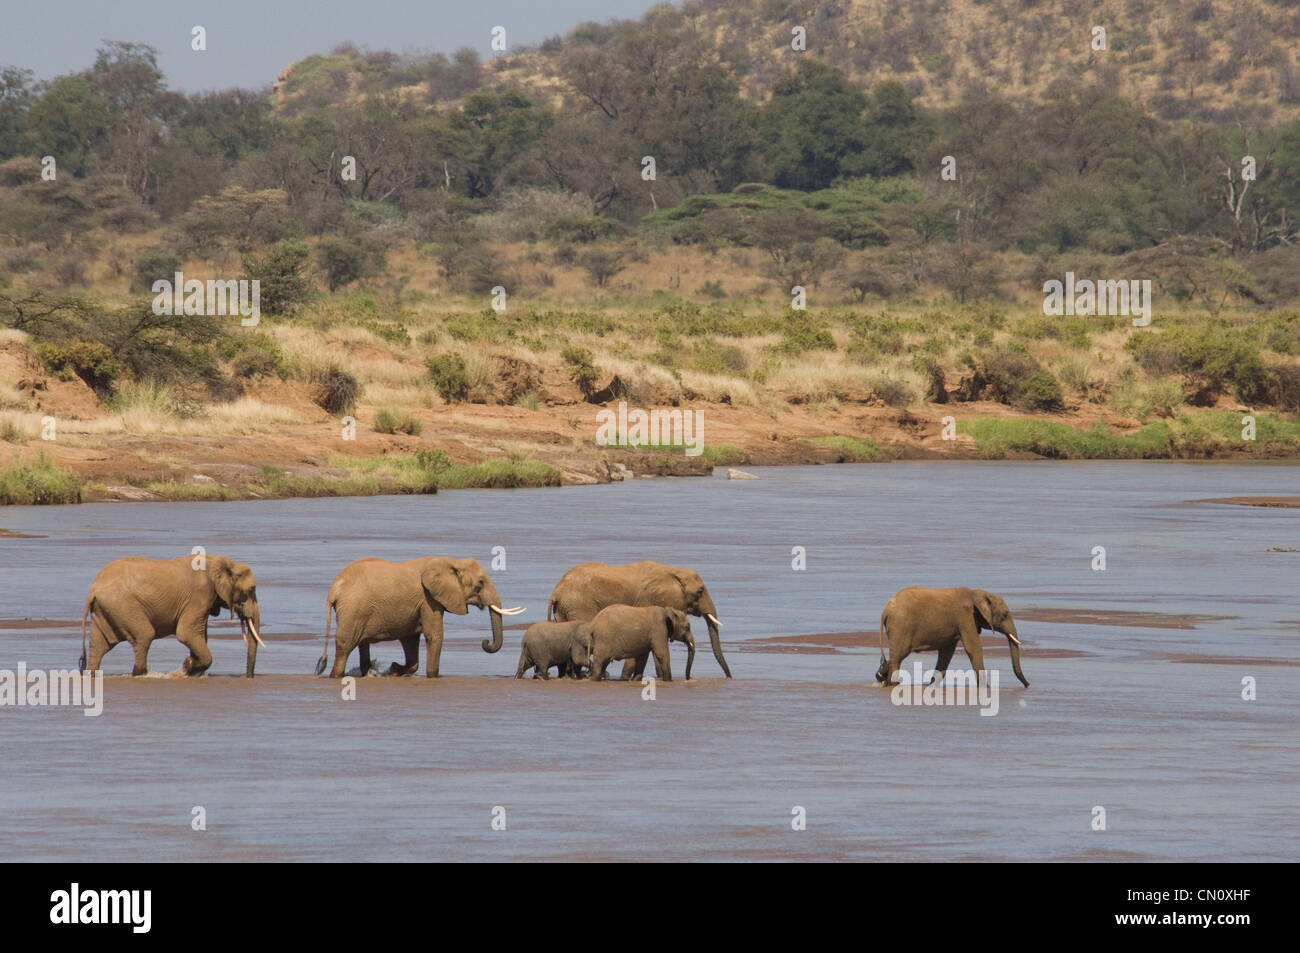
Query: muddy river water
1136,704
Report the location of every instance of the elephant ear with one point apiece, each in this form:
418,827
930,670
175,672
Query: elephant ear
221,573
983,610
666,589
442,582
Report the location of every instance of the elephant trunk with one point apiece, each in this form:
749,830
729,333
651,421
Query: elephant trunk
690,654
1013,643
710,613
251,619
491,598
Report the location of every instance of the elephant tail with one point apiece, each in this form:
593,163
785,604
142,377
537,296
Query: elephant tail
90,602
550,611
883,625
324,653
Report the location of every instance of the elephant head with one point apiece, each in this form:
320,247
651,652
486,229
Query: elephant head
684,589
457,584
991,613
236,590
679,630
581,647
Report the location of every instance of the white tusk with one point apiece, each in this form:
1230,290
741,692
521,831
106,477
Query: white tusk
252,628
499,611
713,618
1013,638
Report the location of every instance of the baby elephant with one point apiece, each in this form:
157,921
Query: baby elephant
633,632
566,645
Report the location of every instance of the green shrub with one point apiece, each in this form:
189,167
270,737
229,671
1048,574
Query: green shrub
893,392
802,334
394,421
1215,357
850,449
283,288
37,483
153,265
449,377
582,370
528,400
1041,392
92,361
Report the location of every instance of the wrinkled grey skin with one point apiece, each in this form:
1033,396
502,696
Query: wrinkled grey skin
636,632
375,600
565,645
138,600
927,620
588,588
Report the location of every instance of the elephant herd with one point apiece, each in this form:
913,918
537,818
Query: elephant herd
596,614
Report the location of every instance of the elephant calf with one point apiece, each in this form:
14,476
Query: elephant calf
634,632
138,600
917,619
566,645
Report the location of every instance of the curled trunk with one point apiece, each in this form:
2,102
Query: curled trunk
1015,656
707,609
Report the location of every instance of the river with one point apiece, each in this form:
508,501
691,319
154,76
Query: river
1136,671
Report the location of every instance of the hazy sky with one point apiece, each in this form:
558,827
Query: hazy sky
250,41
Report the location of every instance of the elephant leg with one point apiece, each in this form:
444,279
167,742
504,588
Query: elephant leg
970,641
431,622
100,643
663,667
893,663
941,666
411,653
523,663
141,646
629,669
200,659
363,657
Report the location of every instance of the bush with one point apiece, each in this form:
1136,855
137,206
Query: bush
92,361
1014,378
37,483
338,392
1041,392
395,421
893,392
582,369
602,264
1212,356
449,377
283,288
158,263
803,335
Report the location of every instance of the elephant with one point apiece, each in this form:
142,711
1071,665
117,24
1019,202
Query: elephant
588,588
632,633
917,619
563,644
138,600
375,600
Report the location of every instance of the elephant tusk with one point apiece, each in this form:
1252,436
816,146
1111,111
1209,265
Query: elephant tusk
713,618
1013,638
499,611
252,628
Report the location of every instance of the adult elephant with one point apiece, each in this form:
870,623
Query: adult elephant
138,600
375,600
917,619
588,588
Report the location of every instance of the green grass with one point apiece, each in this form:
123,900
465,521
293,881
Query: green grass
396,421
1200,435
191,492
429,473
37,483
850,449
723,455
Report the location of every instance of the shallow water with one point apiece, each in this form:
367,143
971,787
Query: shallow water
1146,722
